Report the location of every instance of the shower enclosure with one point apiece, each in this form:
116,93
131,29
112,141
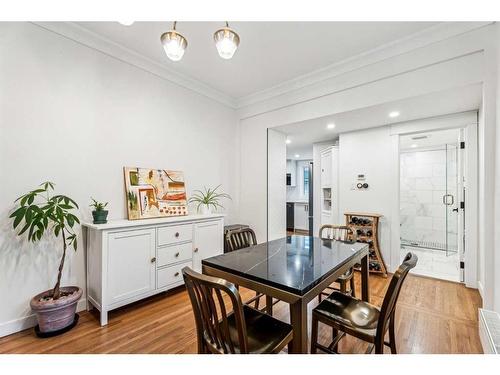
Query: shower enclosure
430,200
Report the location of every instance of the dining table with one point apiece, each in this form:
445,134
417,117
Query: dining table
294,269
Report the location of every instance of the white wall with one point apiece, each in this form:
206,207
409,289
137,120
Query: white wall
374,153
75,116
276,184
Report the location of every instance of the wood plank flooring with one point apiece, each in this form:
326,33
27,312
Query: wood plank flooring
433,316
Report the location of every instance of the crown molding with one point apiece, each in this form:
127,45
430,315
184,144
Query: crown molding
81,35
431,35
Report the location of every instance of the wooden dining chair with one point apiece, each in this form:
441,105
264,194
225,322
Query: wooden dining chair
240,239
361,319
240,330
340,233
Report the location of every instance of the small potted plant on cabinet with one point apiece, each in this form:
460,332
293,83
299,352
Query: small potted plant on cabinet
36,214
99,214
207,199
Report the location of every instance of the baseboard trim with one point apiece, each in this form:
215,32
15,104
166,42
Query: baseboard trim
20,324
480,289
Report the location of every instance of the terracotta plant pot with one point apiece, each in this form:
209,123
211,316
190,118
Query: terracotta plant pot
54,315
100,217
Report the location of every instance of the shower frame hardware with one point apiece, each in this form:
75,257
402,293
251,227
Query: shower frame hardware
445,199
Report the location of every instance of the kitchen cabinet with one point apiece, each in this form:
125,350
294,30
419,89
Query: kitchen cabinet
301,216
128,260
329,192
326,167
291,169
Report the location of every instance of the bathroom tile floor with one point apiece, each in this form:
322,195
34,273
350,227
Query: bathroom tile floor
435,263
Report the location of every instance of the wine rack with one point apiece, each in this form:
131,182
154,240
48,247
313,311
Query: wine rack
365,226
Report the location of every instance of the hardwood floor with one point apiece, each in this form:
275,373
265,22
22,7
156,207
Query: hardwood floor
433,316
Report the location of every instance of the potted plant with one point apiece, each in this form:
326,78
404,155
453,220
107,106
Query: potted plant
99,214
37,213
207,199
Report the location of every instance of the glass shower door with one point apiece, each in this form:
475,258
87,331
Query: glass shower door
451,200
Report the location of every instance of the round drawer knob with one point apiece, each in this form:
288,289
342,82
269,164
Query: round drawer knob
176,255
176,234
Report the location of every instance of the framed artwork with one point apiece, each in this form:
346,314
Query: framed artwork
154,193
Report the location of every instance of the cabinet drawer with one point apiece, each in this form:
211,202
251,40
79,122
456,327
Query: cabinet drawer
174,253
170,275
175,234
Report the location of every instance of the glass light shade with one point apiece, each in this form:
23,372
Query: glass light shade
226,41
174,45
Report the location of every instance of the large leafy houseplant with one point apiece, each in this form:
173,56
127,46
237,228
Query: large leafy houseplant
208,198
39,212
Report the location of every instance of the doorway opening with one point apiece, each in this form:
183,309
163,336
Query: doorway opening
432,203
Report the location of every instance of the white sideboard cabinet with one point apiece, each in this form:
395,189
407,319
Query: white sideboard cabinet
131,260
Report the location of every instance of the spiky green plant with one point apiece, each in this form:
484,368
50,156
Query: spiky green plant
208,197
40,212
98,206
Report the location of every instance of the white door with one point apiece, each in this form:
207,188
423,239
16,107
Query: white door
131,264
208,242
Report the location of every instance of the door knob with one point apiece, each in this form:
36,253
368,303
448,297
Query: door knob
176,234
195,249
455,209
176,255
176,274
153,260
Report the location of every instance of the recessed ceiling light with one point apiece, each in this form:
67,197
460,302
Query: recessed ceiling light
297,155
126,22
330,126
394,114
414,145
288,141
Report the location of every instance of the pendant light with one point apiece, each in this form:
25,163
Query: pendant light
226,41
174,44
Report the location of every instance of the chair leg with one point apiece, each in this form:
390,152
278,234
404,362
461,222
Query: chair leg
343,286
334,337
392,335
257,301
319,297
353,287
269,305
314,334
379,345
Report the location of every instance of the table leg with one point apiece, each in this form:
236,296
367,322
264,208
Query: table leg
365,284
298,319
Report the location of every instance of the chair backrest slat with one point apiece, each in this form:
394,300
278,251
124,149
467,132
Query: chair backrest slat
337,232
392,294
211,314
240,238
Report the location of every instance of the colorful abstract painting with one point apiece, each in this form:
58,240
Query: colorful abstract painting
154,193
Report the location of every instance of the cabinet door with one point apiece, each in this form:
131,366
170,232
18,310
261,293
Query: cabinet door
208,241
301,216
326,169
131,264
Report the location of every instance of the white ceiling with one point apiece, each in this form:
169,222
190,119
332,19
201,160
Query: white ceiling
303,134
270,53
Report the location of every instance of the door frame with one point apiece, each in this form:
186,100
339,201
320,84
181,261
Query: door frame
469,123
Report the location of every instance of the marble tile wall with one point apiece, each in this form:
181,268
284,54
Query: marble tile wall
423,183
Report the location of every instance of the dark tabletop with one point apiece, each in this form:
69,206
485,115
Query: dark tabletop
294,263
